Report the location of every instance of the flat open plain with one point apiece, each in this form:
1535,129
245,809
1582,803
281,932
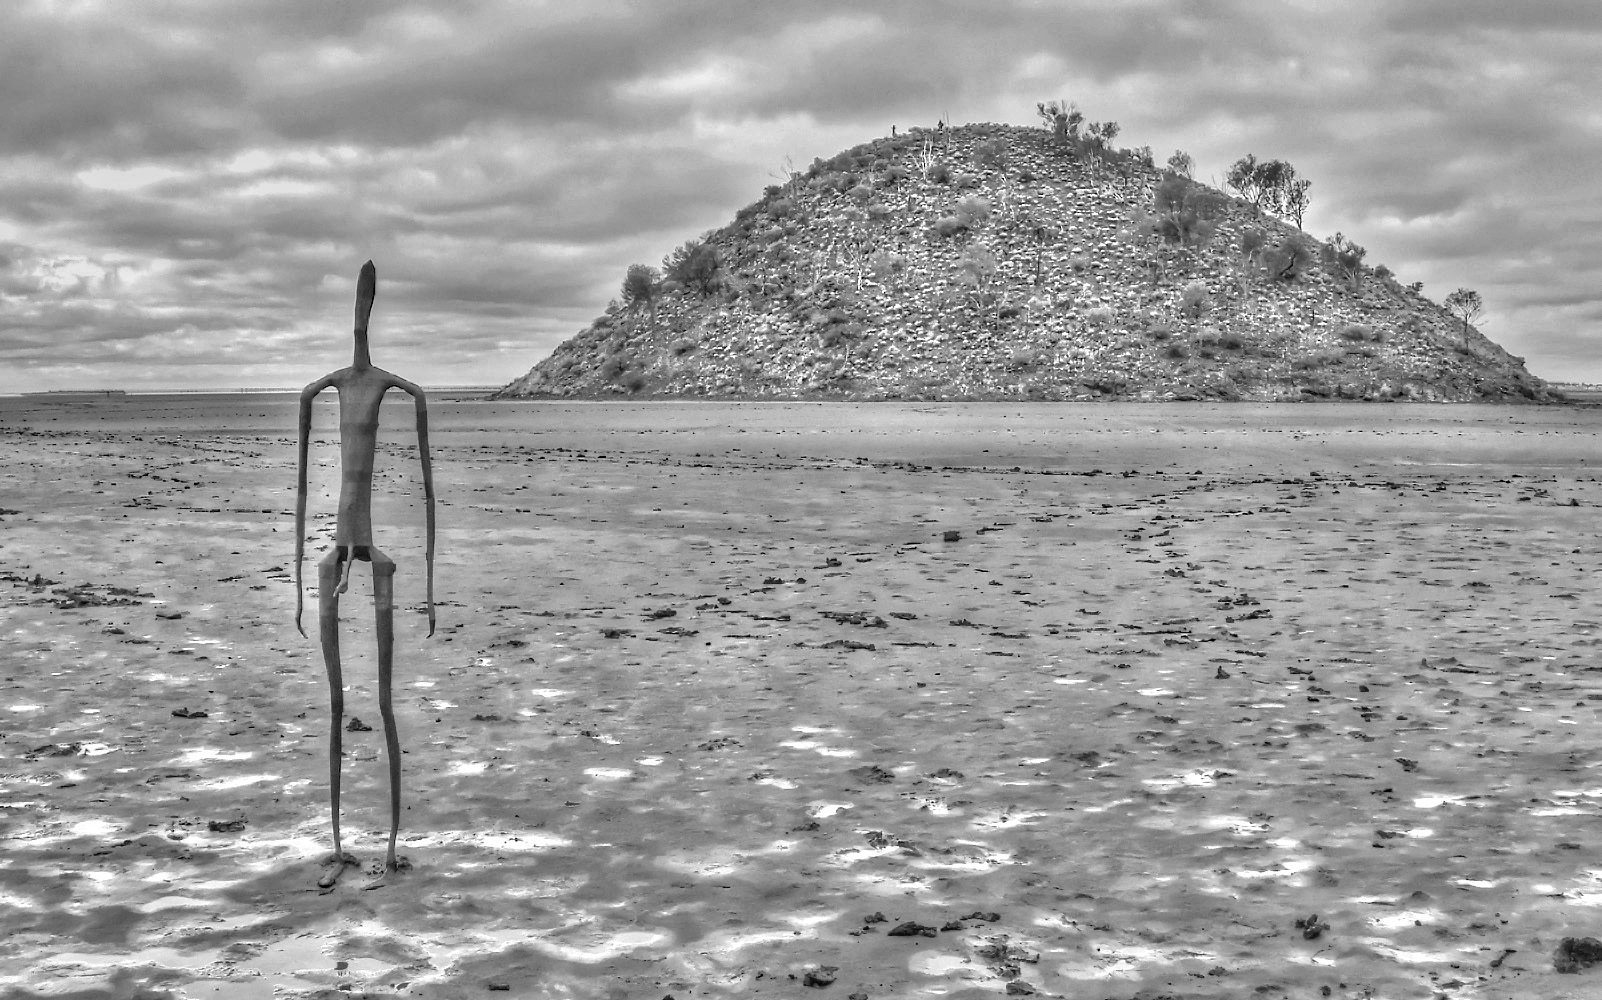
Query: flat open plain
711,695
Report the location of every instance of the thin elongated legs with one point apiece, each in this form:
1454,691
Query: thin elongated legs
328,589
384,622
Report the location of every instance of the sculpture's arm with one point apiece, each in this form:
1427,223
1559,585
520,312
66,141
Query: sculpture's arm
428,487
303,447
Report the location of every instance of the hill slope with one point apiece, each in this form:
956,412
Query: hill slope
995,262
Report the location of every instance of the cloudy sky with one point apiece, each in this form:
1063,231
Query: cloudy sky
188,187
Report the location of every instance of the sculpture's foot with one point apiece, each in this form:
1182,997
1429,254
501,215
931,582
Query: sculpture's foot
337,863
388,874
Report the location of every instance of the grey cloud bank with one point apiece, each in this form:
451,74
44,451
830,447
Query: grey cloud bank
188,188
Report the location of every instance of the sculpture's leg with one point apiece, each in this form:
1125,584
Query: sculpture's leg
384,611
328,575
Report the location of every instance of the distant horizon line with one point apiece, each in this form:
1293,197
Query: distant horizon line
213,390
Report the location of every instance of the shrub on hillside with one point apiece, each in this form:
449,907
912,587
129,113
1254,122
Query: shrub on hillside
964,181
1355,332
975,266
878,210
884,264
972,210
842,334
860,194
1345,257
940,173
991,154
947,226
1099,315
894,176
1193,301
1287,261
780,207
1023,357
682,346
1231,341
1252,241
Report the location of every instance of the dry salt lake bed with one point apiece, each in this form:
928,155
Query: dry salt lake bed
716,709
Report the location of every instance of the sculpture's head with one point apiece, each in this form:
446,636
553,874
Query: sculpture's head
366,288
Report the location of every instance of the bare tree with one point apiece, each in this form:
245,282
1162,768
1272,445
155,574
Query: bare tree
1465,302
1296,200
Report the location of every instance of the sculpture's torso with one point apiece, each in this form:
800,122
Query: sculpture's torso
361,393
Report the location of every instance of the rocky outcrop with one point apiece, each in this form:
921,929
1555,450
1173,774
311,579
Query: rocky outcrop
994,262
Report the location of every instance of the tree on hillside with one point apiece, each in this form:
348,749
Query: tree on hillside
695,265
1184,212
1272,178
639,288
1295,201
1243,179
1270,185
1099,138
1465,302
1181,165
1063,118
1035,228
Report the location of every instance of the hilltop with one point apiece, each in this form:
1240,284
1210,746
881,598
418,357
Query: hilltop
1001,262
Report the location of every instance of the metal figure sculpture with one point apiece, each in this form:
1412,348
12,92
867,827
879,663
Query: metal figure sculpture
361,389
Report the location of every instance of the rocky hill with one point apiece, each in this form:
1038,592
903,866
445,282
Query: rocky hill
1000,262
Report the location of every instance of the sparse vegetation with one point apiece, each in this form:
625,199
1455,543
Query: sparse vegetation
824,286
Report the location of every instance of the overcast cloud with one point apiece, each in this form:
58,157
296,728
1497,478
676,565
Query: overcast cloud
188,187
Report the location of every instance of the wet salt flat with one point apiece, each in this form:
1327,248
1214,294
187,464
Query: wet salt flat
712,694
